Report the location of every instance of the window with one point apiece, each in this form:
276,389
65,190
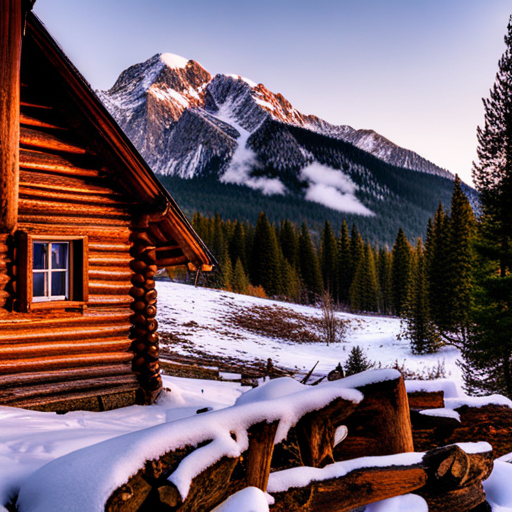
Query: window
50,264
53,272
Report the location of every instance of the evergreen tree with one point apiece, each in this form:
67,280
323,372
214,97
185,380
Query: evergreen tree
237,245
344,265
460,261
309,266
400,273
356,251
364,290
487,352
329,260
240,283
436,265
357,362
384,280
289,243
266,268
420,330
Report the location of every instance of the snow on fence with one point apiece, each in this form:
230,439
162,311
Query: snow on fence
283,438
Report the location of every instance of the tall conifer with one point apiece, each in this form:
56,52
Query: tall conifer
364,290
344,265
309,266
329,260
400,273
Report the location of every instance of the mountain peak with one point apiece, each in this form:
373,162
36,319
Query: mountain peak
174,61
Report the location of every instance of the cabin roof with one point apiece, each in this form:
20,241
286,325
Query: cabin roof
165,220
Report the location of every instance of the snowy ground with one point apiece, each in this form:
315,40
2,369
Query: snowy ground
29,440
198,315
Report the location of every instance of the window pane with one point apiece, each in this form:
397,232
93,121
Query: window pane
40,255
58,284
38,280
59,255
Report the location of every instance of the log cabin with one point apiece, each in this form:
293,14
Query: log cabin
84,226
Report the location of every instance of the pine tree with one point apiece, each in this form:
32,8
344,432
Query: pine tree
240,283
309,266
266,268
460,262
289,243
329,260
364,290
344,265
420,330
237,245
400,273
357,362
384,279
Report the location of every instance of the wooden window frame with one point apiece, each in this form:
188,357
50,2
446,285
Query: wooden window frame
78,272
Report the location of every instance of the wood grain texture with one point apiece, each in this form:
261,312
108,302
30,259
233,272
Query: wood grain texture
10,61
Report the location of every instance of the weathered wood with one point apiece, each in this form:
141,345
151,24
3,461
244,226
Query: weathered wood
38,160
111,274
67,361
10,61
105,287
172,262
384,409
26,350
426,400
42,139
8,396
59,218
110,259
259,454
32,121
448,478
316,430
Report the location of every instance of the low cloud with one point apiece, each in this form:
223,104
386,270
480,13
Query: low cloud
333,189
239,170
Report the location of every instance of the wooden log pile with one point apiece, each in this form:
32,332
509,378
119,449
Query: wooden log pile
491,423
448,477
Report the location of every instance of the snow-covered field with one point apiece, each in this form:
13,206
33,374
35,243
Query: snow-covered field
199,316
29,440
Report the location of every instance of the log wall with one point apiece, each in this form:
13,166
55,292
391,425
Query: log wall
60,358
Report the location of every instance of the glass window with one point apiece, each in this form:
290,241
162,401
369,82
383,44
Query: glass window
50,271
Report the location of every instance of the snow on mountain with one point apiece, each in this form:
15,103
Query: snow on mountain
187,123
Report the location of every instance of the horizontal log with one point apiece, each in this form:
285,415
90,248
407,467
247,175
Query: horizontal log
90,318
34,206
26,350
109,288
172,262
111,274
78,221
41,139
8,396
31,104
37,160
114,259
70,196
64,375
53,402
34,332
110,300
64,361
426,400
94,232
64,183
168,248
32,121
109,247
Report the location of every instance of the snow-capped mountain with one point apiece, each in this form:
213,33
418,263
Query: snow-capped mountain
188,124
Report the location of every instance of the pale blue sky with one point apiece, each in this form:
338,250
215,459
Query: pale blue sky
413,70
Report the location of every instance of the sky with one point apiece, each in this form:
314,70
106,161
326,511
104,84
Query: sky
415,71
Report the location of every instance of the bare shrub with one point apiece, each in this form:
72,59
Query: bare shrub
333,328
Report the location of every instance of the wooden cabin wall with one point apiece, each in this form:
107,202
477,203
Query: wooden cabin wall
78,357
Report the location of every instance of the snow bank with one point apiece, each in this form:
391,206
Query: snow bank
250,499
477,401
441,413
497,487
